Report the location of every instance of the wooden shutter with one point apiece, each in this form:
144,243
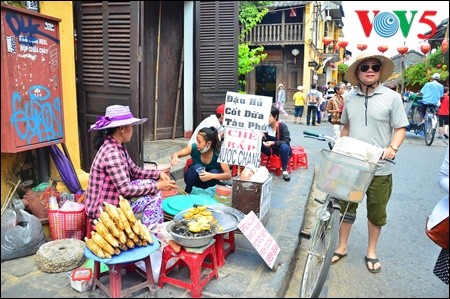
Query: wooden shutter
217,32
107,66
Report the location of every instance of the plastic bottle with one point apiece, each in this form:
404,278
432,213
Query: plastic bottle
223,195
53,203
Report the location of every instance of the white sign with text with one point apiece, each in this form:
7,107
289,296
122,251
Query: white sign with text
261,239
247,111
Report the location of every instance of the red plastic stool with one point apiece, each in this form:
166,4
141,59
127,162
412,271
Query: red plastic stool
274,164
264,160
302,158
297,147
221,251
195,262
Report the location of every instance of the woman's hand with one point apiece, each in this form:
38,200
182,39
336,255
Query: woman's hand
205,176
164,177
174,161
166,184
268,143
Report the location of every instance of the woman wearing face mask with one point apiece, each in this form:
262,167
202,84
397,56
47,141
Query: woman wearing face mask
204,153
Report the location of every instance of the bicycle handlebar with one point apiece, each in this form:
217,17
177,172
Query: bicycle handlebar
322,137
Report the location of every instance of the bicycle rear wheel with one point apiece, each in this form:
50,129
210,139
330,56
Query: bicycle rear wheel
322,244
429,131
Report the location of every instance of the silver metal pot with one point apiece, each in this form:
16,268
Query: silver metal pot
191,241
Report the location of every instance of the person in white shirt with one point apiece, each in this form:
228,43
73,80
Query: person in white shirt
214,120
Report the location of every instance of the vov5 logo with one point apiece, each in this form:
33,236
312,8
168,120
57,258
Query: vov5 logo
386,24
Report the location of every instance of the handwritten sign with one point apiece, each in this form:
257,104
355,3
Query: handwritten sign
241,147
245,117
247,111
262,241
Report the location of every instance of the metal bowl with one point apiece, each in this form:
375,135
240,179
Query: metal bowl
195,241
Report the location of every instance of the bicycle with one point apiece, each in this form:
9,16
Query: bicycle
431,124
336,171
426,129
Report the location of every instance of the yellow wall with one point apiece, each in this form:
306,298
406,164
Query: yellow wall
12,162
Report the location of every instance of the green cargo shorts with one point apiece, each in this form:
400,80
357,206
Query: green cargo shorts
378,195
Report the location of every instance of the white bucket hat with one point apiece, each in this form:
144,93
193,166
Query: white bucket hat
116,116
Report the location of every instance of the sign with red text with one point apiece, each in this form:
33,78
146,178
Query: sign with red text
241,147
261,239
246,116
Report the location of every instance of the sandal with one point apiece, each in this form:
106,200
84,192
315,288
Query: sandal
339,256
286,176
373,262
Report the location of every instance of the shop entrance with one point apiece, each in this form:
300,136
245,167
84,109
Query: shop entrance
266,81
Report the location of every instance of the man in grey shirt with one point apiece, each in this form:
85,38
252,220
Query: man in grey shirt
373,114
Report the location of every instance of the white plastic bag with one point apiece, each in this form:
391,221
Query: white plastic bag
22,234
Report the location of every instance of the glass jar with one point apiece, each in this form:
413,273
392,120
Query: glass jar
223,195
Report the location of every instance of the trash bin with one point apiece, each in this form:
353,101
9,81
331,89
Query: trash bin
252,196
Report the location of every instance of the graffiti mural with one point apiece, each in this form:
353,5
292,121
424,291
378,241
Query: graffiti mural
32,106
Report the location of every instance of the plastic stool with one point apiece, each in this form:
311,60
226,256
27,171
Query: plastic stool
126,260
274,164
195,262
298,148
264,160
302,158
221,252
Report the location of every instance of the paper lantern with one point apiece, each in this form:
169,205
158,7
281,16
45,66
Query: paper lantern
425,48
327,40
383,49
361,47
444,46
342,43
402,49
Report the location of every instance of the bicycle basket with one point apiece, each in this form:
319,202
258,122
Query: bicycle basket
343,176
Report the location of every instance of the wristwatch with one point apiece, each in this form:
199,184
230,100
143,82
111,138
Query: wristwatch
395,148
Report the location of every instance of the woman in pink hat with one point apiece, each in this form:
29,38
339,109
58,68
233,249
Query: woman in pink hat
114,173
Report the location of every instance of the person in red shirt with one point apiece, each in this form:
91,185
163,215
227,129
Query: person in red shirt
443,115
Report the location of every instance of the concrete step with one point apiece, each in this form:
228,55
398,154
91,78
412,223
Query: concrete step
160,151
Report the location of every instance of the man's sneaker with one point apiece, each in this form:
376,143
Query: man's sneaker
286,176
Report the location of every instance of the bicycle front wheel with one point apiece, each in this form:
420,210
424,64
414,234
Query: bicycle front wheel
430,131
318,261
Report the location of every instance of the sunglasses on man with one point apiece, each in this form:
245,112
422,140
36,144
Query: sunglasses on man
365,67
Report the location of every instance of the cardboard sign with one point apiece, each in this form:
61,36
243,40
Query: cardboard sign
245,117
247,111
256,233
241,147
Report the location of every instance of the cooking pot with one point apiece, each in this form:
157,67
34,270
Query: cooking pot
194,241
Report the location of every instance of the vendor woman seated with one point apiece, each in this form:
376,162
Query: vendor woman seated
204,153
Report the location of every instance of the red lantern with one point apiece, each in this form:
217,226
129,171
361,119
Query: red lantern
382,49
402,49
444,46
425,48
327,40
361,47
336,48
342,43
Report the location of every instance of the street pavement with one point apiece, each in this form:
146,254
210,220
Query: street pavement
244,273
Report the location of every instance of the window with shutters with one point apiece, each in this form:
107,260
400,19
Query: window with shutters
216,54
